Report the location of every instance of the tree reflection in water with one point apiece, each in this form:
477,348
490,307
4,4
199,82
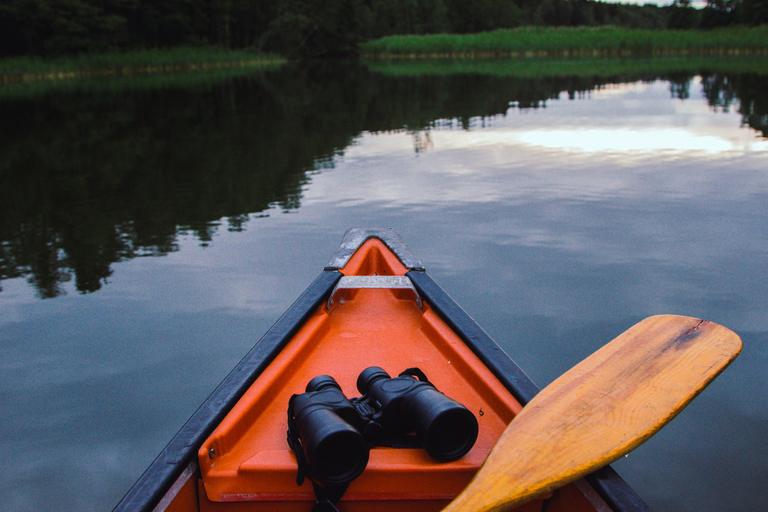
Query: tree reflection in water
92,177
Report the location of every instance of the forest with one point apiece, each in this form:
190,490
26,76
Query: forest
319,28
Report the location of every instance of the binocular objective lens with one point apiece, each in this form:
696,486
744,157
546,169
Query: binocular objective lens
451,434
339,458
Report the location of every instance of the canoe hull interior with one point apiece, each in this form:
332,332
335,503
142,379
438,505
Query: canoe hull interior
579,496
245,463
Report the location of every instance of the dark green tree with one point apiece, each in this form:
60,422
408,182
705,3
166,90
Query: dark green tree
752,12
318,28
583,13
718,13
482,15
53,27
408,17
166,23
682,15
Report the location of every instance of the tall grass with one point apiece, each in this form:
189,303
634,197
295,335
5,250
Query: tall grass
29,69
579,41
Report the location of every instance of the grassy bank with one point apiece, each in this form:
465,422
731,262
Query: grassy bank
30,69
579,42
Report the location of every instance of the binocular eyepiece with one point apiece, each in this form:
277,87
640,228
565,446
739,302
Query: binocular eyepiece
331,434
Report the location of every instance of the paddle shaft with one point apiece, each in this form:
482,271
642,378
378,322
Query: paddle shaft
600,409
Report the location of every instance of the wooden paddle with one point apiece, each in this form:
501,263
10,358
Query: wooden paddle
601,409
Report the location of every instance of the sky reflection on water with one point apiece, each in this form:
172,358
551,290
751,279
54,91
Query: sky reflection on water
554,250
556,228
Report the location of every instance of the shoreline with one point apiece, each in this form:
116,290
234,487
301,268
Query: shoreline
180,60
571,67
520,44
574,54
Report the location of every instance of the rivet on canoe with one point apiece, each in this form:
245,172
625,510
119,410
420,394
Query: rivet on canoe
211,453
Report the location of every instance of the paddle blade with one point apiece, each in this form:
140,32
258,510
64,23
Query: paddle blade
601,409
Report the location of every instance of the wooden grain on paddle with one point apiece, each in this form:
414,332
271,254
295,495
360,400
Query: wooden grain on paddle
601,409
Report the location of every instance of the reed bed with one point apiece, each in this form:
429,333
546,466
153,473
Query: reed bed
34,69
578,41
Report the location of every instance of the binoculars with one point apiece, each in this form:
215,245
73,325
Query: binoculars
332,434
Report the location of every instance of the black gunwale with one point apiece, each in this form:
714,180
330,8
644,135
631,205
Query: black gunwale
150,488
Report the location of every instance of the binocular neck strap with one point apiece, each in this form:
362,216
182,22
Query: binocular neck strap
324,506
415,372
295,444
328,497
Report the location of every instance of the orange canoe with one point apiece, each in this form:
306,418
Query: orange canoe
373,305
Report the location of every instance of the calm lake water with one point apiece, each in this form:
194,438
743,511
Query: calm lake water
150,234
